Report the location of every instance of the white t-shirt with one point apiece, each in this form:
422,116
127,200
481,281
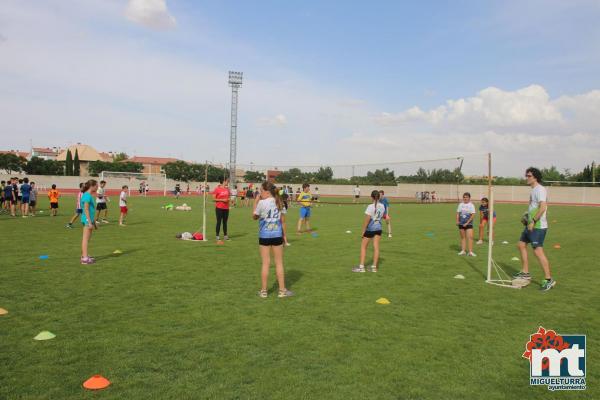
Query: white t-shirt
269,223
234,192
538,194
465,210
376,214
100,194
123,199
357,191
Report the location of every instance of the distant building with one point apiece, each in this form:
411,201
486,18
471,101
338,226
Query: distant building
45,153
152,165
86,155
272,174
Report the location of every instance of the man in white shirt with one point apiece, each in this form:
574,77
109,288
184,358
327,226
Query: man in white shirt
356,194
535,231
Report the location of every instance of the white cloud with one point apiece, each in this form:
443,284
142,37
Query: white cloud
152,14
492,107
278,120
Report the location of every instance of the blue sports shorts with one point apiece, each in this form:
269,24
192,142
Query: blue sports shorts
305,212
535,237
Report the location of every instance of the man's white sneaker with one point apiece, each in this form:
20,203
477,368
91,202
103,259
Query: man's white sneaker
462,253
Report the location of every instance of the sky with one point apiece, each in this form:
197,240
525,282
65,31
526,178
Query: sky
325,82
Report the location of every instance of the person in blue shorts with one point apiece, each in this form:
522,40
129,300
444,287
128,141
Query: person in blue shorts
25,192
535,229
305,200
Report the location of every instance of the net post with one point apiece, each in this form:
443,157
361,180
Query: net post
490,234
204,203
165,186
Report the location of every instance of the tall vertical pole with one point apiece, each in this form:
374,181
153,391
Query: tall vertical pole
204,202
489,175
235,81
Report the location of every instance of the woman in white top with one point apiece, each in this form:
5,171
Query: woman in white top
371,231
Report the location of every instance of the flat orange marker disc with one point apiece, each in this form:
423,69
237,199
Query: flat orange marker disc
3,311
556,246
96,382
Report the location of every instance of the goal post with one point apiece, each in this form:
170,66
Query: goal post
143,182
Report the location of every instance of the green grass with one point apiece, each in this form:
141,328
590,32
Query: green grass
169,319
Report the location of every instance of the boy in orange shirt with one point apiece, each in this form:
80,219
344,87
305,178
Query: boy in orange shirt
53,195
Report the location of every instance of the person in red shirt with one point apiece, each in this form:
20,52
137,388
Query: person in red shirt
221,196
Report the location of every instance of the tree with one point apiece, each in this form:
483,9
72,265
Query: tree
179,171
552,174
323,175
76,165
120,157
69,164
11,162
96,167
39,166
254,176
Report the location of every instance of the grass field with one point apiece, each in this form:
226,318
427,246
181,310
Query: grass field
169,319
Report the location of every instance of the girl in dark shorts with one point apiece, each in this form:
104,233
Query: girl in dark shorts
371,231
268,210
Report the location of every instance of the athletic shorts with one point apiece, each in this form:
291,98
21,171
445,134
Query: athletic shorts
123,209
79,211
25,200
356,196
53,205
371,234
486,220
100,206
13,202
535,237
19,197
461,227
32,203
278,241
305,212
387,217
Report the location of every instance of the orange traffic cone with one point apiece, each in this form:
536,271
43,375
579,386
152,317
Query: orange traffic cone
96,382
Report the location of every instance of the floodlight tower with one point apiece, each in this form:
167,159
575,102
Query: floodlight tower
235,81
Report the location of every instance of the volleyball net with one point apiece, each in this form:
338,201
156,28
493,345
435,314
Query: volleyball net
422,181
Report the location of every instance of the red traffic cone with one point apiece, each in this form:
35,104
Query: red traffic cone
96,382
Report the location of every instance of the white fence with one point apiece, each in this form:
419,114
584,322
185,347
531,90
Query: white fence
556,194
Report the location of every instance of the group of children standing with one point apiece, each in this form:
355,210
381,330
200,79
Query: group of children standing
18,194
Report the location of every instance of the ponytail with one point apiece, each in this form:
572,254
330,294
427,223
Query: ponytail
271,188
375,195
86,186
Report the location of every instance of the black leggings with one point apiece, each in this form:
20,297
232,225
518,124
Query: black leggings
222,216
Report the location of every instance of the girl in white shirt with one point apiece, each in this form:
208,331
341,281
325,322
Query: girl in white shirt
371,231
465,213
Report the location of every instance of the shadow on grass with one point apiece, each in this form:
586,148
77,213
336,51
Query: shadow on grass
472,265
291,277
113,255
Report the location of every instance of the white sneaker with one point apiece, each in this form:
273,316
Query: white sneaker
471,254
480,242
389,235
462,253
